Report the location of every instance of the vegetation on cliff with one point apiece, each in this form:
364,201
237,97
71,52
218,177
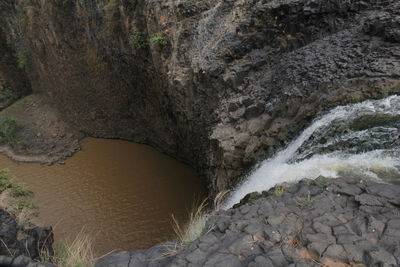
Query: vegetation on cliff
15,198
77,252
8,129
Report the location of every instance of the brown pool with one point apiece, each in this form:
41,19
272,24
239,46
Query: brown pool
121,193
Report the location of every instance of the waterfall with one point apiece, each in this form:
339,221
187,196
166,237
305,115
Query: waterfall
358,140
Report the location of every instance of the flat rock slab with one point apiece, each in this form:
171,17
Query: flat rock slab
344,222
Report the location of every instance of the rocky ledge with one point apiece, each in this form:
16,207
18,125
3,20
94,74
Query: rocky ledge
22,243
341,222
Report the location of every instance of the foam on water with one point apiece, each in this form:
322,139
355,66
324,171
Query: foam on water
292,164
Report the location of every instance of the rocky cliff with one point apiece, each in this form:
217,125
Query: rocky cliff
216,83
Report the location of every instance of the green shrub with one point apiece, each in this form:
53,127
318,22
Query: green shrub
8,130
22,61
16,189
136,39
21,204
111,11
158,39
7,97
15,197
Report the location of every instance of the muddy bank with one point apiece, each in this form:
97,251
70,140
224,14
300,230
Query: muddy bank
218,84
340,222
42,135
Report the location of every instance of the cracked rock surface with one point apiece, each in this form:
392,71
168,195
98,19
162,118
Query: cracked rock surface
342,222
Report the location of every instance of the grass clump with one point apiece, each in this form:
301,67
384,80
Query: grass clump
15,198
16,189
78,253
75,253
137,40
194,227
21,204
7,97
22,61
111,15
196,224
8,130
277,191
306,201
158,39
323,181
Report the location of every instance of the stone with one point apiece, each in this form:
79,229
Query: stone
320,237
119,259
347,238
244,243
197,256
354,253
261,261
322,228
370,200
21,261
255,229
275,219
254,111
380,257
336,252
390,193
277,257
318,247
223,260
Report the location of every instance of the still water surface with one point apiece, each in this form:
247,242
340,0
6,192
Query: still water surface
121,193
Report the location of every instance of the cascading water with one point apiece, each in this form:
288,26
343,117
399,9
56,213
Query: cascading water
359,140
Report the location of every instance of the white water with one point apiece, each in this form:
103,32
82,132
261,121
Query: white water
284,167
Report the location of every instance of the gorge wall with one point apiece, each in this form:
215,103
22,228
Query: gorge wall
216,83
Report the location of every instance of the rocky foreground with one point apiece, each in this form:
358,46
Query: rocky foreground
21,244
342,222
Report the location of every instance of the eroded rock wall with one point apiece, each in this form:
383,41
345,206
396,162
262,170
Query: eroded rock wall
216,83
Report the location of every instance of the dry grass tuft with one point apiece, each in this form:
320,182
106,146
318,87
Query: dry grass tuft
295,242
195,226
219,199
75,253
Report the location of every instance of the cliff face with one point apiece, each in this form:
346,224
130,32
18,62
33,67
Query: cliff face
217,83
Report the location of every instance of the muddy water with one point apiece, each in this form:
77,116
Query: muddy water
121,193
